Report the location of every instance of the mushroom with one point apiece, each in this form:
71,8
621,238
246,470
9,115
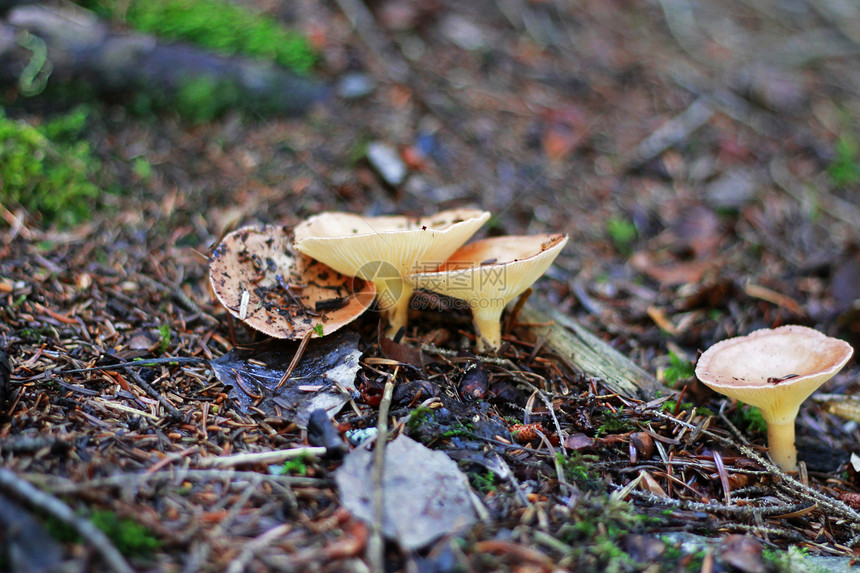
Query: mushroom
384,250
263,282
774,370
490,273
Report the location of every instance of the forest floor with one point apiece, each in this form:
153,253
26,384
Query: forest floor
702,157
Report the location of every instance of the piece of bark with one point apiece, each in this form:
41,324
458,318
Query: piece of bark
81,47
588,354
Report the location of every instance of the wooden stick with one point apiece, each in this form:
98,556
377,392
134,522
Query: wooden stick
588,354
275,457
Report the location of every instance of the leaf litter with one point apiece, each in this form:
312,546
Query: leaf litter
576,483
425,495
324,377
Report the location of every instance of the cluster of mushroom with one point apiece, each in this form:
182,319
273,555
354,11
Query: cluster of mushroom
774,370
387,258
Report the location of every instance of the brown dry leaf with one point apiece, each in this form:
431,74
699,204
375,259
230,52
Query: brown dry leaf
264,282
773,297
650,484
673,273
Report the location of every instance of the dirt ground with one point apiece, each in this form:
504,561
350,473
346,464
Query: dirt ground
702,158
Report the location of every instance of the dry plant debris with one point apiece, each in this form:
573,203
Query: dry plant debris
704,198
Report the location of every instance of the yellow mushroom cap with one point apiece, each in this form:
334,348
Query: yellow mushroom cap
494,271
262,281
348,242
489,273
774,370
387,249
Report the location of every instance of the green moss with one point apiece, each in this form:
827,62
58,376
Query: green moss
577,470
418,417
203,98
218,25
613,424
296,466
623,233
670,405
750,419
128,536
164,343
678,370
142,168
484,483
47,169
845,167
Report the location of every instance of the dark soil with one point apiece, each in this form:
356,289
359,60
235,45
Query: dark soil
699,156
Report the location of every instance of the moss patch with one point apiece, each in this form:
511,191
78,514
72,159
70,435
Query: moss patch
48,169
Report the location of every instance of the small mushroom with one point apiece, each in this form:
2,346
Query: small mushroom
774,370
384,250
263,282
490,273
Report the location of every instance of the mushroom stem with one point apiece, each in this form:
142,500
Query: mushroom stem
780,439
395,308
488,327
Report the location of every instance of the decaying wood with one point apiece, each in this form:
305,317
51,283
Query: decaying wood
75,45
589,354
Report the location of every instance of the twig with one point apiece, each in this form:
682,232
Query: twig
139,363
222,527
295,361
673,132
18,487
175,414
63,486
126,409
826,502
837,208
180,296
167,460
364,24
737,511
682,25
548,403
275,457
250,549
375,545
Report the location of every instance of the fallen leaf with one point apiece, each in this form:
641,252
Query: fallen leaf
425,494
324,377
671,273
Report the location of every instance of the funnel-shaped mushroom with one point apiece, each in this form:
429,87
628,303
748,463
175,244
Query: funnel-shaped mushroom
384,250
488,274
774,370
260,279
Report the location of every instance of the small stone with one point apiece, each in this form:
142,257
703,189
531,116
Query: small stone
355,86
463,33
732,190
387,162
